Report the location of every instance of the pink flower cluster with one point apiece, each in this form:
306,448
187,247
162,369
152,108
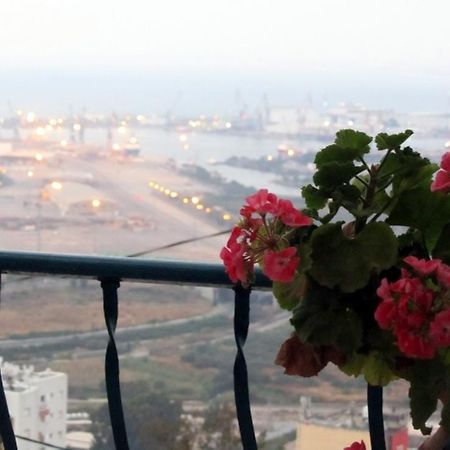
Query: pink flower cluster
417,307
261,237
442,181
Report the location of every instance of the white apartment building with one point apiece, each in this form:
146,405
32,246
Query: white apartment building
37,403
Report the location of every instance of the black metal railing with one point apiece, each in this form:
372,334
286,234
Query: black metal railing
110,272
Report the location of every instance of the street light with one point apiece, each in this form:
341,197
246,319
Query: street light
56,185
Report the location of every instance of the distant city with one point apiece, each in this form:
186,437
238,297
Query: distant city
301,121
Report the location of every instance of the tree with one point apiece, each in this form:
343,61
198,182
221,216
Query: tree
152,419
220,427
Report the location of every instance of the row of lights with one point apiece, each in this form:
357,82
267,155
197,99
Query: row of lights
194,200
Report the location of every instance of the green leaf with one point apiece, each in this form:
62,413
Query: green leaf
420,176
427,211
377,370
335,153
423,403
379,202
354,365
355,140
334,174
428,379
347,264
289,294
406,169
318,309
346,195
386,141
442,248
314,198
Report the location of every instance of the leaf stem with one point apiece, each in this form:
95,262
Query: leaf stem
384,186
361,159
384,159
378,214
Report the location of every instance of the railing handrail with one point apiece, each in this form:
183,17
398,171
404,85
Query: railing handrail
123,268
110,271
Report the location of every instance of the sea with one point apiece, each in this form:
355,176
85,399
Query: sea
211,151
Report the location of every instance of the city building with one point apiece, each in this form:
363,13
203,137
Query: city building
37,403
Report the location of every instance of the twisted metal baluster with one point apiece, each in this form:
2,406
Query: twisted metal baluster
111,311
6,429
376,423
241,392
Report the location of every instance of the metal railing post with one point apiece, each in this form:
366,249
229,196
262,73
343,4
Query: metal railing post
6,430
376,422
111,312
240,374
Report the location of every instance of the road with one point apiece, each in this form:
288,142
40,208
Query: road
39,342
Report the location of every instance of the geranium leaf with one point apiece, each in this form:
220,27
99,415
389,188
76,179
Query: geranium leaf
407,170
353,365
428,379
334,174
288,294
423,403
347,264
420,175
354,140
377,370
427,211
336,153
386,141
442,248
317,310
314,198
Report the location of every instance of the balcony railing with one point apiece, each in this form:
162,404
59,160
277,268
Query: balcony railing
110,272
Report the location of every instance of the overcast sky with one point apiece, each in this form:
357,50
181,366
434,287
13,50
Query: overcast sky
230,35
384,53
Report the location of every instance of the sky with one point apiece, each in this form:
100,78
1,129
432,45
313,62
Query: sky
340,46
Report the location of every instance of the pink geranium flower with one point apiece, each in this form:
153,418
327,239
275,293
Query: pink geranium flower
263,202
291,216
281,265
414,345
259,238
445,162
384,291
443,275
235,257
385,314
440,329
356,446
407,310
442,181
236,266
422,267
